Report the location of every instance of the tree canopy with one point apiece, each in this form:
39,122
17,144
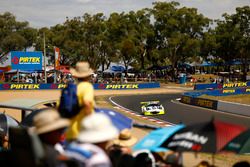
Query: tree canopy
165,34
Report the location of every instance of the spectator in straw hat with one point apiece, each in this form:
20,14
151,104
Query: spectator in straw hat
96,131
125,139
50,127
120,152
85,93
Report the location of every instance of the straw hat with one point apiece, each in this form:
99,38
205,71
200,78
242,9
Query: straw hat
125,139
48,121
82,70
97,128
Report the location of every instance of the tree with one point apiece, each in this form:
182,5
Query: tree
233,37
178,30
14,35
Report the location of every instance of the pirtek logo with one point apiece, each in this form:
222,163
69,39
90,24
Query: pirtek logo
26,60
24,86
123,86
231,85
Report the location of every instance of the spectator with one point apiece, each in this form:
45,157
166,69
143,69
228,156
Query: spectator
203,164
96,131
120,152
50,127
125,139
241,164
4,142
144,158
85,93
120,157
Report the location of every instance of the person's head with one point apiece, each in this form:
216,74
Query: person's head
125,138
50,126
124,141
242,164
82,71
97,129
144,158
203,164
4,141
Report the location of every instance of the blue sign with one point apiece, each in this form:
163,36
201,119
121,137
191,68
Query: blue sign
28,86
26,60
127,86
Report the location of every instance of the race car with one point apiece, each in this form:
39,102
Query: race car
152,108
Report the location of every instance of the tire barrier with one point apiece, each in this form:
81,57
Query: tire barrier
206,103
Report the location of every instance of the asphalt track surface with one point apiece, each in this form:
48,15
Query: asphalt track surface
176,112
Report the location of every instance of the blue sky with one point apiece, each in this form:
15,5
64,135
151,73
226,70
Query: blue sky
46,13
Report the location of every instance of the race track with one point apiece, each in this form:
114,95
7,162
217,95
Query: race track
177,112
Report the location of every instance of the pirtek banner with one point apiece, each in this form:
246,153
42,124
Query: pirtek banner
19,86
24,86
126,86
221,86
26,60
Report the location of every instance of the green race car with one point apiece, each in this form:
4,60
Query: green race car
152,108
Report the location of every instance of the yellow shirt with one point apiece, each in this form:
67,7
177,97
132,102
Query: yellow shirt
85,93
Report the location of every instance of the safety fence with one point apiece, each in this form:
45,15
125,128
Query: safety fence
18,86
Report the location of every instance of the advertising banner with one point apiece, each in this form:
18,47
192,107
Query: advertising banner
28,86
127,86
221,86
207,103
26,60
57,58
24,86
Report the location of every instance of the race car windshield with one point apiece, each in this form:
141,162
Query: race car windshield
153,105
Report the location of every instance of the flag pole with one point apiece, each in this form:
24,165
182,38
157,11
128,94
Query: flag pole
55,65
44,58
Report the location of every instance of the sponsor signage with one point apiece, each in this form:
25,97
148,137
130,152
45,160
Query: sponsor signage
207,103
31,86
224,91
186,99
126,86
26,60
57,58
205,86
24,86
235,85
221,86
189,141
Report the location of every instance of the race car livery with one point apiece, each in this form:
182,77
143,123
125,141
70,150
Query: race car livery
152,108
